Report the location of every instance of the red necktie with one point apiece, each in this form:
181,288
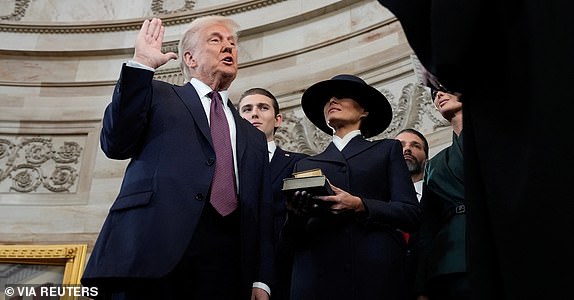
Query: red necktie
223,196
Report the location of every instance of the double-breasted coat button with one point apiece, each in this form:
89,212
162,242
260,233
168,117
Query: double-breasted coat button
199,197
210,161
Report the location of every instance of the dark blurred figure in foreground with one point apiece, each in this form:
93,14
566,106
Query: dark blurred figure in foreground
511,61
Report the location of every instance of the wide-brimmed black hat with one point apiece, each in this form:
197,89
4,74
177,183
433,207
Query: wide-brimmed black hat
348,86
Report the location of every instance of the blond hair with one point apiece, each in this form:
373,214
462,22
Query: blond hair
189,40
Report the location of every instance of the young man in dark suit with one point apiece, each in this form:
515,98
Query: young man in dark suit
260,108
193,216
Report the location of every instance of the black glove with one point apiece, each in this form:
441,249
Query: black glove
301,203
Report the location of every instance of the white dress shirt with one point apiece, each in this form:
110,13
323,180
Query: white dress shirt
271,147
419,189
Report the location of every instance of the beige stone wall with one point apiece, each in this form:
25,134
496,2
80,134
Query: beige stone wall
59,61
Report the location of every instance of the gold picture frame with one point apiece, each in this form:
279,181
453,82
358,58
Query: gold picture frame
69,260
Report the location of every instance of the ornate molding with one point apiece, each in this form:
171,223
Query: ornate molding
174,18
170,76
37,165
29,261
409,111
300,135
172,46
40,252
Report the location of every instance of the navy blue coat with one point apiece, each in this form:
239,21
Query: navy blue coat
356,256
163,129
281,166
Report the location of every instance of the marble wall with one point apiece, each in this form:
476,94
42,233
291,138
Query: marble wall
59,61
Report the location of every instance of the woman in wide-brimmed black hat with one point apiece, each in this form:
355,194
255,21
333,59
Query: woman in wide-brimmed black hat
341,88
348,245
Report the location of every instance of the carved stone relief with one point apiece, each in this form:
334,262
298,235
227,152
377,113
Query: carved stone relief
20,7
172,75
169,76
157,7
411,109
39,164
298,134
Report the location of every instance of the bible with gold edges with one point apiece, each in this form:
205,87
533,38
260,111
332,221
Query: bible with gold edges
313,181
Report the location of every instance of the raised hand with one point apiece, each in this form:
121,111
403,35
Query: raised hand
148,45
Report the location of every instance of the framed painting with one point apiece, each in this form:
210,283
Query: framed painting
50,271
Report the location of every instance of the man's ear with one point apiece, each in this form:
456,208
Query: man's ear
365,114
278,120
189,59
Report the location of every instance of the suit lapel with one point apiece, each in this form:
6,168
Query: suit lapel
279,161
331,154
189,97
240,138
356,146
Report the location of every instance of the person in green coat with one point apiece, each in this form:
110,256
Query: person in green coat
442,270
